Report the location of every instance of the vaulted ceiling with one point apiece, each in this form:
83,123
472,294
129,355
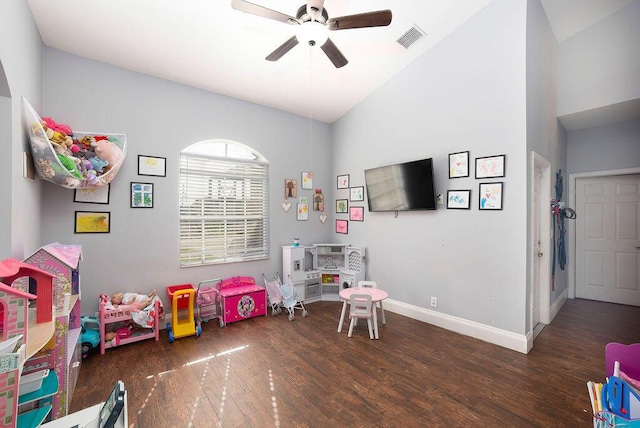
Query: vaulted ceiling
208,44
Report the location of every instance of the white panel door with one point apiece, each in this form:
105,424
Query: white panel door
537,248
608,239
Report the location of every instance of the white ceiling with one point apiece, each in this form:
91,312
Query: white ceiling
207,44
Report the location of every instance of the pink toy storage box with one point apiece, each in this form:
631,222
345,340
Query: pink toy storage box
241,298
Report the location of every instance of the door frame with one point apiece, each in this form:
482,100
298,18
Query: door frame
570,226
544,216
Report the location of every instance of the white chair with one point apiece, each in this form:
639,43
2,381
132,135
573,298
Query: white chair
360,307
373,284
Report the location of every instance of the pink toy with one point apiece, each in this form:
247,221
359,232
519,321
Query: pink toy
109,152
58,127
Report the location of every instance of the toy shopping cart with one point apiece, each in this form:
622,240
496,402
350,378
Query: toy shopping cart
290,298
273,295
183,322
207,300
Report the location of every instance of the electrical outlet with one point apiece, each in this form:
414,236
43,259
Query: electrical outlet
434,302
440,199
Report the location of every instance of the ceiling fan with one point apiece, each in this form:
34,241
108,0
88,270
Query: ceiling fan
313,23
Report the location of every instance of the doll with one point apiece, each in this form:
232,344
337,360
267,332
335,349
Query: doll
136,300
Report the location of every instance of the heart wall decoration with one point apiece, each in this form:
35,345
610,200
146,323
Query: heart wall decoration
490,166
286,206
323,218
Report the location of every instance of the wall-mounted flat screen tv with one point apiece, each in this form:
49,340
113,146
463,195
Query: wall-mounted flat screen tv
401,187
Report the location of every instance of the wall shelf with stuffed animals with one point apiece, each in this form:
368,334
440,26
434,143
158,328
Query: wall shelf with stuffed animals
72,159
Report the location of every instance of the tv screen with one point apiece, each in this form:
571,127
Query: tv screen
401,187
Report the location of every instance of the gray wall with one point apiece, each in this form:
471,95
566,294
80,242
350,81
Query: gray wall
21,61
545,135
604,148
161,118
467,93
600,66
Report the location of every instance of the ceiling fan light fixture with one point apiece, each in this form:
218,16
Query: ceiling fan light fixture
312,33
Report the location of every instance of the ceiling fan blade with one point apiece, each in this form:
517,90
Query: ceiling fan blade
380,18
282,49
334,54
254,9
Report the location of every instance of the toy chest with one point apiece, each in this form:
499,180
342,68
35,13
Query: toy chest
183,303
241,298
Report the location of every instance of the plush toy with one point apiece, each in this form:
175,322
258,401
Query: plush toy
137,300
98,164
108,151
70,165
57,127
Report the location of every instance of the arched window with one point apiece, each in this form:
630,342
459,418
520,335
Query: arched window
224,205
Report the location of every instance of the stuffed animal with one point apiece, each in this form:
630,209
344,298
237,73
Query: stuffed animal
70,165
98,164
108,151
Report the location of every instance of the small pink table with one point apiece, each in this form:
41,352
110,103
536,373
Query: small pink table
376,294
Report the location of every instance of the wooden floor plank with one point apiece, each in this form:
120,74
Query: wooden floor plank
269,371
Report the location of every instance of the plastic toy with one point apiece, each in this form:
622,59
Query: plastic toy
182,297
89,334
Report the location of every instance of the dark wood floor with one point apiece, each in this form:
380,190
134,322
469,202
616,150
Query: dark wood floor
269,371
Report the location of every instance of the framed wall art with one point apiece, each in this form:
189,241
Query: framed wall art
356,194
490,166
342,206
302,212
318,200
290,188
458,164
92,195
342,226
307,180
490,196
152,165
141,195
92,222
356,213
459,199
343,181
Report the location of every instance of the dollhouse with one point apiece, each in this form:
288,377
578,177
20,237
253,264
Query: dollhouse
62,354
16,321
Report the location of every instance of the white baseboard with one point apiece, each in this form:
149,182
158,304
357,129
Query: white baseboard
557,304
483,332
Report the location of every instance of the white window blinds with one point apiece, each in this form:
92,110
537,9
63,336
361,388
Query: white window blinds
223,209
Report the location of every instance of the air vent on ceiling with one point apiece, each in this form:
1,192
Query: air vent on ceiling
412,35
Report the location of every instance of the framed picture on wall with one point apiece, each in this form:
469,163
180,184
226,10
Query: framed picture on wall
92,222
92,195
342,226
490,166
141,195
356,213
342,206
356,194
307,180
458,164
490,196
458,199
152,165
343,181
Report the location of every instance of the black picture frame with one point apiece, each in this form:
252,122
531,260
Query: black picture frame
490,196
141,195
459,199
356,194
356,213
340,203
342,226
92,195
459,164
491,166
92,222
154,166
343,181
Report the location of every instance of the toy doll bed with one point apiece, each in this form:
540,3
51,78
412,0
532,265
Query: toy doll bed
139,324
73,159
